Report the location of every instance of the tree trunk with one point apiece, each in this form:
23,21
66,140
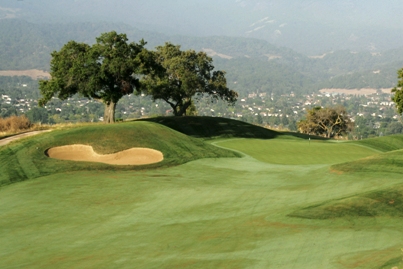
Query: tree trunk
182,109
109,113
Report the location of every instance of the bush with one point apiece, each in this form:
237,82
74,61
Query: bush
14,124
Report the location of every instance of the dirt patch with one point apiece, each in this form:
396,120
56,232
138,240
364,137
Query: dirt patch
335,171
84,153
32,73
212,53
7,140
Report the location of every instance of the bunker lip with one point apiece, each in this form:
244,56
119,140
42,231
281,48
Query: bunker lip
85,153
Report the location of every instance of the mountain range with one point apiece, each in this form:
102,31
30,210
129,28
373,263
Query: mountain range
311,27
263,45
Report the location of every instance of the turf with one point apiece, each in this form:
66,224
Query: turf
379,203
25,159
386,162
383,144
208,212
298,151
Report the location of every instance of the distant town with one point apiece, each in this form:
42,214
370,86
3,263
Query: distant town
372,111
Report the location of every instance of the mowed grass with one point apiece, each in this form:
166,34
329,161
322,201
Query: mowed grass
299,151
26,159
207,213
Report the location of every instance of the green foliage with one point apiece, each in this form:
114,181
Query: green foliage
38,114
185,75
398,92
106,71
328,122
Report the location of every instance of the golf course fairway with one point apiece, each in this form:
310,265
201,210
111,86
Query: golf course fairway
286,203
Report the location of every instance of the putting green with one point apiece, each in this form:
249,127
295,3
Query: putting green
298,151
208,213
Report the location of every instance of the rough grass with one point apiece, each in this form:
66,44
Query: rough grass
14,124
26,159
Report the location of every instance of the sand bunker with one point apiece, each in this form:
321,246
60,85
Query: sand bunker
133,156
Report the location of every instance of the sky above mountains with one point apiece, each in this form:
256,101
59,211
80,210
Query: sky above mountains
308,26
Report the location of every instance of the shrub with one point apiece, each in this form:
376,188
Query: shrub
14,124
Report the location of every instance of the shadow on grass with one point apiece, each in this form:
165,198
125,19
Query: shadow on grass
211,127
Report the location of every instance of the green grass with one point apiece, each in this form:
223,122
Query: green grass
250,212
387,162
25,159
384,144
298,151
379,203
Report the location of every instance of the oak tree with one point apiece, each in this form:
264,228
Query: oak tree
185,75
105,71
327,122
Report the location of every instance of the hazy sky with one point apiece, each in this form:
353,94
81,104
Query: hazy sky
282,22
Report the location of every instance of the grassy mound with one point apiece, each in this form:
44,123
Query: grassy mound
391,162
25,159
382,203
384,143
208,127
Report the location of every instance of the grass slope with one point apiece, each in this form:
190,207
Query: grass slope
380,203
389,161
384,144
25,159
210,127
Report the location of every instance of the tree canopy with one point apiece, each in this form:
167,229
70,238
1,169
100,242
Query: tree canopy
105,71
398,92
185,75
327,122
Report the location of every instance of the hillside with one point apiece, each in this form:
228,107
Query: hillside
251,64
211,127
312,27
